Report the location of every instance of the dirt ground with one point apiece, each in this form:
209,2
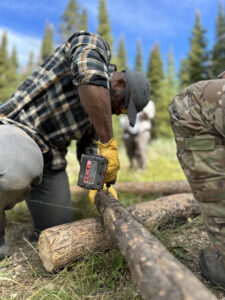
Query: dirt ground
22,275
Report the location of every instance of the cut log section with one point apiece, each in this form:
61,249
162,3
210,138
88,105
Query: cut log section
63,244
157,273
148,188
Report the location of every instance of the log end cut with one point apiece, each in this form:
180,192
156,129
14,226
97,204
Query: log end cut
45,252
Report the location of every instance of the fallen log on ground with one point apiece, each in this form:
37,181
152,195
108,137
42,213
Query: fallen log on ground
148,188
157,273
63,244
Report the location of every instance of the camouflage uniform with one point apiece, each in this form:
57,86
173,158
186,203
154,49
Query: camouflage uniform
198,121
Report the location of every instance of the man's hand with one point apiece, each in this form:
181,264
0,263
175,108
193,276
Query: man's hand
92,193
110,151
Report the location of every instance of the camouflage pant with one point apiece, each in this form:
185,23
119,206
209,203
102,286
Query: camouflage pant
198,122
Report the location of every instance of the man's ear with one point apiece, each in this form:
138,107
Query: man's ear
118,81
122,82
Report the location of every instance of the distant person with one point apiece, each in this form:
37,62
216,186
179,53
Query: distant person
136,138
71,96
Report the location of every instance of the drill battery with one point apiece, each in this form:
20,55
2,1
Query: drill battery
92,172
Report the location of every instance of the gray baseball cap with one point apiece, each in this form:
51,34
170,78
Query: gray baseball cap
139,87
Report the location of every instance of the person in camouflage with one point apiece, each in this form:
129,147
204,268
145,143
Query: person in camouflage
198,121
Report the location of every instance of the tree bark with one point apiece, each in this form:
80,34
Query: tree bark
157,273
148,188
63,244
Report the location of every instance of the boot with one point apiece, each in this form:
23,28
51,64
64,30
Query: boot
212,266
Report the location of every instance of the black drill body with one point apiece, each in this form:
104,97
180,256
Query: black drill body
92,172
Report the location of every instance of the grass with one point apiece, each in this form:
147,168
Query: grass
102,276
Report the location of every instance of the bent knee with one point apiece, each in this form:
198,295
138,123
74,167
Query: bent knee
21,163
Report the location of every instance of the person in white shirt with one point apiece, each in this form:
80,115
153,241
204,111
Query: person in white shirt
136,138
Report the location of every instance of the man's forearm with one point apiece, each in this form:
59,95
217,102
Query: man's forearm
97,104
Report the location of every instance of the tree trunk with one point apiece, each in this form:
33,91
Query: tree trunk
157,273
66,243
148,188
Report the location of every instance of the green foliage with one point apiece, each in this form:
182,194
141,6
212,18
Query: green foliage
138,59
155,73
218,52
83,20
14,58
29,68
169,90
47,42
117,130
104,25
198,56
121,61
70,20
196,66
156,77
8,70
184,76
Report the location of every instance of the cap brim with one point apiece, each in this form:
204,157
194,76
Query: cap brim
131,112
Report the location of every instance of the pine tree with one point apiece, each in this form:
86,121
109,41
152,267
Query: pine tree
104,25
171,74
105,31
30,64
121,55
14,58
138,59
184,77
198,56
70,20
218,52
12,78
29,67
155,72
156,76
83,20
170,89
47,42
3,55
8,70
4,64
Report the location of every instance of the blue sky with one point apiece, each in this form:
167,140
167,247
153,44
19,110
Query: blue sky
168,22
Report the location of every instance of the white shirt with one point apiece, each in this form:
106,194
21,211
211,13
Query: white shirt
143,120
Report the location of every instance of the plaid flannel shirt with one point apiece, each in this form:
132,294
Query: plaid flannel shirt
47,105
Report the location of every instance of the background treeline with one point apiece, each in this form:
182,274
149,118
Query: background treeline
199,63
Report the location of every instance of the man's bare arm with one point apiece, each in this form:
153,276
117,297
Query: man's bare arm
97,104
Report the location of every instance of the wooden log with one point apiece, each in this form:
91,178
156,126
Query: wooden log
157,273
148,188
63,244
164,210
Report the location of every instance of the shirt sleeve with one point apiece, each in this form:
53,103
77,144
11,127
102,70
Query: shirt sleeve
149,110
89,59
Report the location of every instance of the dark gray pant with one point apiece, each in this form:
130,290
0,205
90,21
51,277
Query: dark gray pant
23,176
50,202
